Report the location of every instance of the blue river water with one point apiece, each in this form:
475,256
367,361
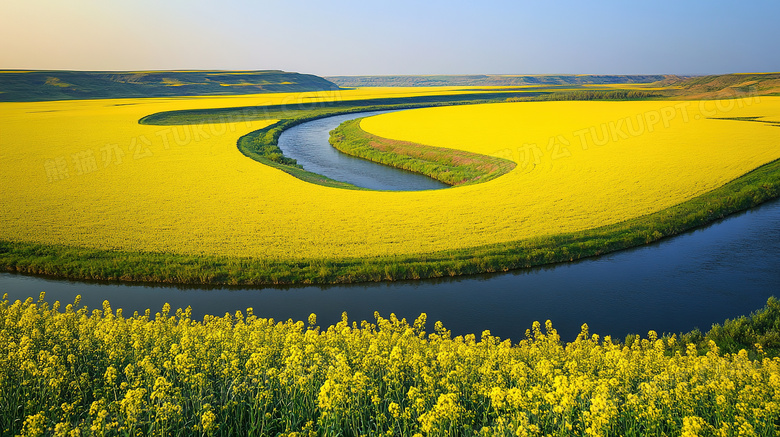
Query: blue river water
308,144
724,270
693,280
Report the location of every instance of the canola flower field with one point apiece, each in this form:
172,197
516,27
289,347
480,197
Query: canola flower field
74,372
586,164
86,175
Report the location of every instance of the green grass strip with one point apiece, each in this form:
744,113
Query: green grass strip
453,167
310,110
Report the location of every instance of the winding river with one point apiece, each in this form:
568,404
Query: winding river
724,270
308,144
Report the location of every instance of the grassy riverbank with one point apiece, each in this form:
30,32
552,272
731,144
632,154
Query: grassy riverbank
453,167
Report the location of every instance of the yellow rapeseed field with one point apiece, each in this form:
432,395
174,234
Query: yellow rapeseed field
586,164
85,173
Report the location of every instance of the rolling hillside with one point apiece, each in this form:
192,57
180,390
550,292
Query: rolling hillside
28,86
728,85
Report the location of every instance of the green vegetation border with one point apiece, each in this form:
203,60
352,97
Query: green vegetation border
452,167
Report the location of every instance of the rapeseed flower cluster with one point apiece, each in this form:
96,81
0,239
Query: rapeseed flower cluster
74,372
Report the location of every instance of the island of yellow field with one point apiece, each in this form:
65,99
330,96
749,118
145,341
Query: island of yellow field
86,174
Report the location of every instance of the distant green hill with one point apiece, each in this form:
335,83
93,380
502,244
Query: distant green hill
728,85
27,86
493,80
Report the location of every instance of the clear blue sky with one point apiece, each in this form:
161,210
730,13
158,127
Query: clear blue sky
393,37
